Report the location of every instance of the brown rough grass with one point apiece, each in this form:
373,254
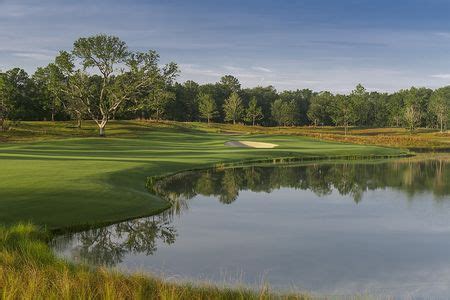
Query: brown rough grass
30,270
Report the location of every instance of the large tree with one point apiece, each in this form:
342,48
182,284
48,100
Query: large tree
78,87
284,112
319,108
207,106
125,76
83,92
265,96
233,108
24,101
360,105
344,112
395,109
440,106
412,117
412,112
302,100
6,94
253,112
230,83
378,117
50,81
157,101
185,105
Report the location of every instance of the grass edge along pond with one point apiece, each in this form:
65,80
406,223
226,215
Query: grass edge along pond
30,270
76,180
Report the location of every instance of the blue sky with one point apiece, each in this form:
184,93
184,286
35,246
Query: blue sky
317,44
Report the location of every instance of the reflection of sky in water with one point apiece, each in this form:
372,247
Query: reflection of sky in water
389,243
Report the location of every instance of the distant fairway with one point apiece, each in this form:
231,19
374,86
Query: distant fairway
55,179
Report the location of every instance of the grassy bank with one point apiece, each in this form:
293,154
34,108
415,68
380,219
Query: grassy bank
29,270
61,177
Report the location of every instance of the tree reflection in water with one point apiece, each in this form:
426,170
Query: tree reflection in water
354,179
109,245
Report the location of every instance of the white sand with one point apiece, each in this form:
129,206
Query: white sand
247,144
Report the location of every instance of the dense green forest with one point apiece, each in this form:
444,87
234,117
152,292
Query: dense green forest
100,79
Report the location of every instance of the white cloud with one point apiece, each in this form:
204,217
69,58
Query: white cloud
443,34
198,70
34,55
441,76
233,68
262,69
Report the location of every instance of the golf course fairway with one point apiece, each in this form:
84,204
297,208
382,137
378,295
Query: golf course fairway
76,179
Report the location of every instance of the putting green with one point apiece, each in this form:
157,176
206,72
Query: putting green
76,181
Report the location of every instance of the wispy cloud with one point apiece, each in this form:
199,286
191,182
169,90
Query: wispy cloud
262,69
34,55
441,76
15,9
233,68
349,43
443,34
193,69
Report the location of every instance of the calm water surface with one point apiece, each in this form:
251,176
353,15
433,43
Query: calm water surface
380,228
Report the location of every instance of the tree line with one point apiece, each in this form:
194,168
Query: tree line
101,79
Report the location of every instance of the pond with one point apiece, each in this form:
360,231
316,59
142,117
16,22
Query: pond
339,228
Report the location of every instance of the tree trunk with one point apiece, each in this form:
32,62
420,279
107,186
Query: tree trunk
53,116
102,126
442,125
345,129
208,120
234,122
102,131
79,122
253,123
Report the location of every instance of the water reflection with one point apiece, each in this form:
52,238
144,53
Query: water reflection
142,237
409,176
108,245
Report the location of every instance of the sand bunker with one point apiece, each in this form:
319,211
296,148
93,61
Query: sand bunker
247,144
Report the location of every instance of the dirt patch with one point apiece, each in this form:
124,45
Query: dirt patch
248,144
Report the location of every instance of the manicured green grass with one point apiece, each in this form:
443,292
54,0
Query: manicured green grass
61,177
